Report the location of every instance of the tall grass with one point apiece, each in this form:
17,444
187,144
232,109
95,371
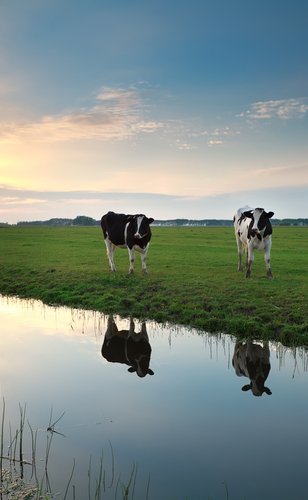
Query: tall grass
21,479
193,278
12,484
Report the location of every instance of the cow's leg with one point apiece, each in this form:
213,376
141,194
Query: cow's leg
266,350
249,261
131,254
110,252
142,335
143,332
240,250
267,258
131,330
143,260
111,328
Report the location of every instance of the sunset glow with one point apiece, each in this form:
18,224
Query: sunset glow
194,107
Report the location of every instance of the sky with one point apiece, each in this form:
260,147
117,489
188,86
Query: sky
174,109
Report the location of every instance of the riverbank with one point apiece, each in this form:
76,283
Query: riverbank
192,280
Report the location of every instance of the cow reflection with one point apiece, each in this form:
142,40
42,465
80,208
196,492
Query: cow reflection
252,361
129,347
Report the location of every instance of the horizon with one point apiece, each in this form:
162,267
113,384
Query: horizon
155,222
197,107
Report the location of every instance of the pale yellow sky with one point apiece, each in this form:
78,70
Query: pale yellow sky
150,112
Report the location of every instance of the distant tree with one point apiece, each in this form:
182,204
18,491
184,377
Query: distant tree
82,220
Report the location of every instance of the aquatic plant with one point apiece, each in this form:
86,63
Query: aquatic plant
17,483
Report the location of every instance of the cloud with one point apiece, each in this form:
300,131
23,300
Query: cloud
19,200
43,205
117,114
193,138
281,176
217,136
301,172
214,142
183,146
281,109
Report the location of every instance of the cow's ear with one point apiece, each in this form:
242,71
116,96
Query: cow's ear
131,369
246,387
150,220
267,391
270,214
150,372
248,214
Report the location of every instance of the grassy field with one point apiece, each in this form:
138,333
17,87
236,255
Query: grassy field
192,280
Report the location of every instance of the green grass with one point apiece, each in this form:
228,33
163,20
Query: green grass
192,280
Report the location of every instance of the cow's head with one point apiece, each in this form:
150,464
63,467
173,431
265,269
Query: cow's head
257,387
259,220
141,367
140,225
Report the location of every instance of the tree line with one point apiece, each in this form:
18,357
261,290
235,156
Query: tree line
83,220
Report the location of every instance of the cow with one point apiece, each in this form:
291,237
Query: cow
252,361
129,347
253,230
127,231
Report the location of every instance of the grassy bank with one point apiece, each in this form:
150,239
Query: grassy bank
192,278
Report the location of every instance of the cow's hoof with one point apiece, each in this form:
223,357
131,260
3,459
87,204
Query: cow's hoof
247,274
131,271
269,275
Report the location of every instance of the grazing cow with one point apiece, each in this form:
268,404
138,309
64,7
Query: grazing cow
252,361
127,231
253,230
129,347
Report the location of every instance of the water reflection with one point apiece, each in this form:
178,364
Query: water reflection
180,427
253,361
128,346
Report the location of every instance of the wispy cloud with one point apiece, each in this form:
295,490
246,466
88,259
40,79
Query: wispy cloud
17,205
184,145
214,142
282,109
19,200
297,174
116,114
218,136
193,138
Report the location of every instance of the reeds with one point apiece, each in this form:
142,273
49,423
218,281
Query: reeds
98,487
12,477
1,444
33,484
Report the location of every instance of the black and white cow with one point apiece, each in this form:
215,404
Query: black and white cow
127,231
253,230
129,347
252,361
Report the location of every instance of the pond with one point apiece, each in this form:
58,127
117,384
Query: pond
167,408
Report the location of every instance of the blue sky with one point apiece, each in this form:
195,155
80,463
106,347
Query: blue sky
174,109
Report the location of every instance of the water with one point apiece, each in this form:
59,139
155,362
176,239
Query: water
186,431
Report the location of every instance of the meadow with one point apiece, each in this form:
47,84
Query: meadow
192,281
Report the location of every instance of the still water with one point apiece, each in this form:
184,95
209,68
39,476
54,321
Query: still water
164,405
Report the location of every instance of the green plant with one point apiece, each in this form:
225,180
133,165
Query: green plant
15,484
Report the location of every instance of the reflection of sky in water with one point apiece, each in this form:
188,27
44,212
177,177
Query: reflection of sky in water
189,425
